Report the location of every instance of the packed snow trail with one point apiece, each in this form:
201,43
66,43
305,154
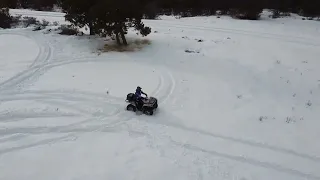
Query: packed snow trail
243,104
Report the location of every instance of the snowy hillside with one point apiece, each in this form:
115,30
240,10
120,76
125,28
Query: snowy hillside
238,100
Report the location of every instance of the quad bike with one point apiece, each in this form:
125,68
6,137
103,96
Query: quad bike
148,106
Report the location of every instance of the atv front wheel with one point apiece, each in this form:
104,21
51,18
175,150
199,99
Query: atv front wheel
148,112
131,107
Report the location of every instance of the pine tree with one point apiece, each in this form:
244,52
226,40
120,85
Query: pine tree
79,13
247,9
108,17
5,18
8,3
311,8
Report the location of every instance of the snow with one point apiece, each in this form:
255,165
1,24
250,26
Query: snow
244,104
99,77
40,15
17,53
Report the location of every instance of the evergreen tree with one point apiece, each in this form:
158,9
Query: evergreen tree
8,3
247,9
79,12
310,8
108,17
37,4
5,18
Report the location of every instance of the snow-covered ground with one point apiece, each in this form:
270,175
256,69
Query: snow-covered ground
243,106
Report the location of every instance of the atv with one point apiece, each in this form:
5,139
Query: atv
148,106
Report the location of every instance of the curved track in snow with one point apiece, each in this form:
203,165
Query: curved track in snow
43,56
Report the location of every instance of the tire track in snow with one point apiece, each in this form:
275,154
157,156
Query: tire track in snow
163,136
44,55
76,128
67,95
32,74
251,161
39,143
60,96
104,120
45,50
159,86
228,138
74,100
40,68
62,99
167,85
72,134
9,138
72,130
10,117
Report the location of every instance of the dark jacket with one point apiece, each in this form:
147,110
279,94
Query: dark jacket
139,92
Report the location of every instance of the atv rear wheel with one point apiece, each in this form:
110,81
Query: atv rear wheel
131,107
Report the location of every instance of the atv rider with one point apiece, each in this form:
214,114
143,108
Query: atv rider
139,97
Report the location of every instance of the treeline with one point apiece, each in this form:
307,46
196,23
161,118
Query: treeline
114,17
246,9
30,4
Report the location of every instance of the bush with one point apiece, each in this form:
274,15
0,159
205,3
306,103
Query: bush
150,15
68,30
15,20
55,23
277,14
44,23
38,28
5,18
27,21
243,13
